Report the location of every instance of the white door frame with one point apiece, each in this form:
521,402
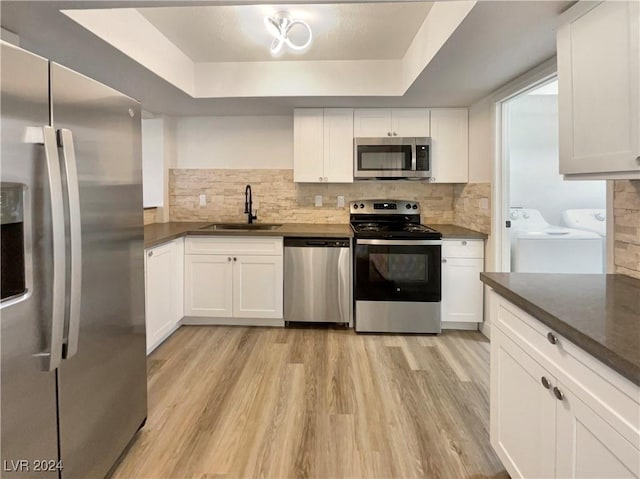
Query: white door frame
499,204
503,163
500,192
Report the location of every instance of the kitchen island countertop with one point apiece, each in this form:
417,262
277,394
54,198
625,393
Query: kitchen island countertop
600,313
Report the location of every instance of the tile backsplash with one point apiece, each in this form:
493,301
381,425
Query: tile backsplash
278,199
150,216
626,210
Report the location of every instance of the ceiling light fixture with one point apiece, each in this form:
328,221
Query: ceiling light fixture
279,26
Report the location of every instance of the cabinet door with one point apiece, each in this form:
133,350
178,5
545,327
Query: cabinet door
588,446
462,290
160,299
410,122
208,286
372,123
338,145
257,287
308,147
450,145
522,411
599,90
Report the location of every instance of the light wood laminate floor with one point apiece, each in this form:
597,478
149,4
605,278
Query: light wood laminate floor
232,402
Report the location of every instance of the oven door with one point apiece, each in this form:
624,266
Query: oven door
398,270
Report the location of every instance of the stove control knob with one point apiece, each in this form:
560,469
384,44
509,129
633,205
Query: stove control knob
415,207
408,206
355,206
361,205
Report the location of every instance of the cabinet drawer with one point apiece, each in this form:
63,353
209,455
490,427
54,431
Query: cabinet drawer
234,245
463,249
612,396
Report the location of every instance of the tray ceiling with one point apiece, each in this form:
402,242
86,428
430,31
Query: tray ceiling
347,31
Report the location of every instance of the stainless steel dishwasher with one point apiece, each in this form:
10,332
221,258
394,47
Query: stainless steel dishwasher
317,280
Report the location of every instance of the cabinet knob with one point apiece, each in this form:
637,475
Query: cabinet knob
319,178
464,243
432,179
395,134
235,259
545,382
229,258
150,254
444,260
388,133
558,394
553,339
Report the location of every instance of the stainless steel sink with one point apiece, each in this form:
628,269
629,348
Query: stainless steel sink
240,227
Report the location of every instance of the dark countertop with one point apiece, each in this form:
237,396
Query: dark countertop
159,233
458,232
598,312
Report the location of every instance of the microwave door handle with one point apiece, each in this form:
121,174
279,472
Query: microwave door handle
69,156
414,163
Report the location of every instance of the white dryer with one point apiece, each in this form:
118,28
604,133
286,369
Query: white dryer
538,247
594,220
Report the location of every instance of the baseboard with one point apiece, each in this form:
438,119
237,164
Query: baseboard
200,321
460,326
163,338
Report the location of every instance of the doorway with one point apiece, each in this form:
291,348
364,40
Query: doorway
548,225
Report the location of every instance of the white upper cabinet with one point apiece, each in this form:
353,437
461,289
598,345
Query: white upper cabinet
450,145
308,145
338,145
407,122
599,90
410,122
323,145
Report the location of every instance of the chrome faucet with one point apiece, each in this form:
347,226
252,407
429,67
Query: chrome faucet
248,205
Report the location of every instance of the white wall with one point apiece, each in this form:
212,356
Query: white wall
481,141
153,185
533,162
235,142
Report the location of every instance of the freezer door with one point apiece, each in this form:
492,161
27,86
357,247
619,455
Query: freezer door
28,389
101,383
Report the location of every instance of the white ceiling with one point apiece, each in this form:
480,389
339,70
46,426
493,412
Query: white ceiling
495,43
348,31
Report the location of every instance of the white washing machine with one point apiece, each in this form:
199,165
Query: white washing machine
538,247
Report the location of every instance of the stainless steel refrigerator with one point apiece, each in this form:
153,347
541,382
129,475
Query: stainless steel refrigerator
73,371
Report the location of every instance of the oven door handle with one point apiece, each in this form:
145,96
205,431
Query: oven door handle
391,242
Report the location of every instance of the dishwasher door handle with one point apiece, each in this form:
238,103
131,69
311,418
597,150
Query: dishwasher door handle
317,243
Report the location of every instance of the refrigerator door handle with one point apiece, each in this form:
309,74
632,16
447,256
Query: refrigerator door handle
53,359
65,139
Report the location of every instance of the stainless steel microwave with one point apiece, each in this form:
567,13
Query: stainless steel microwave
393,158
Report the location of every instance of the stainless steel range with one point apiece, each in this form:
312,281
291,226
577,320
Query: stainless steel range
397,268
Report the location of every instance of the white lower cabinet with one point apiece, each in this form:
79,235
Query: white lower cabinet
557,412
164,291
234,281
208,285
588,446
462,290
